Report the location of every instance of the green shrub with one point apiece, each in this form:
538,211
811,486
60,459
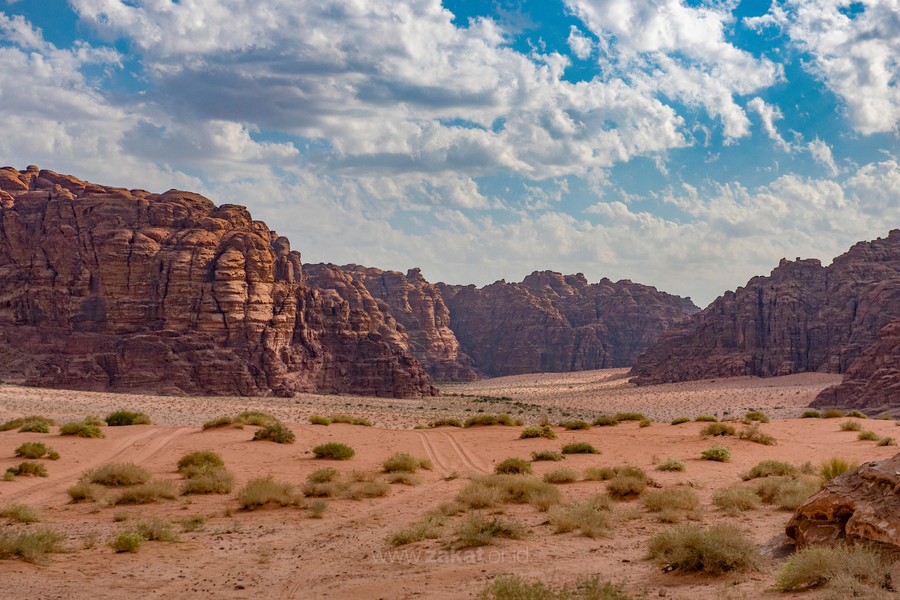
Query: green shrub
21,513
325,475
334,451
117,474
147,493
671,464
579,448
276,432
833,413
31,450
645,423
489,490
32,547
717,429
28,468
605,422
718,453
857,414
429,527
35,427
561,475
753,434
824,566
262,490
157,530
200,459
708,418
52,454
538,432
489,420
404,478
512,587
81,430
756,415
317,509
591,517
126,541
575,425
886,441
513,466
787,493
94,421
123,418
851,426
547,455
255,418
361,421
207,480
629,417
22,421
834,467
770,467
714,551
339,418
735,499
478,531
680,420
401,461
811,414
218,422
445,422
869,436
317,420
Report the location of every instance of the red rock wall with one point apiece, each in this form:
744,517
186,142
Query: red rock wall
112,289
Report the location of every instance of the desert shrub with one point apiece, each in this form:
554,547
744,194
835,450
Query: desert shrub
375,489
834,467
21,513
833,413
193,523
9,476
256,418
811,414
123,417
598,473
52,454
605,422
317,420
147,493
579,448
157,530
334,451
820,566
680,420
575,425
477,494
325,475
117,474
671,464
591,517
562,475
94,421
717,453
35,427
753,434
717,429
489,490
32,547
538,432
770,467
547,455
672,499
851,426
512,587
886,441
218,422
262,490
91,492
629,417
869,436
276,432
735,499
200,459
31,450
445,422
401,461
885,417
328,489
489,420
624,486
339,418
645,423
708,418
756,415
787,493
81,429
404,478
28,468
22,421
714,551
478,531
429,527
857,414
513,466
317,509
208,480
126,541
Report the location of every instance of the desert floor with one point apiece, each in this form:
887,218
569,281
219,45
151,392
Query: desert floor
281,552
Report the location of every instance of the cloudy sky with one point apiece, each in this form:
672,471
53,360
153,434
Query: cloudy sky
687,145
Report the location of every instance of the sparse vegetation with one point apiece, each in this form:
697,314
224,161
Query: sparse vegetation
538,432
90,492
263,490
81,429
561,475
207,480
317,420
591,517
714,551
512,587
218,422
605,422
735,499
673,504
671,464
716,429
193,523
339,418
127,541
28,468
708,418
717,453
770,467
834,467
851,426
869,436
645,423
147,493
94,421
857,414
429,527
117,474
334,451
811,414
32,547
276,432
404,478
756,415
835,568
833,413
31,450
547,455
200,459
377,489
248,417
123,417
513,466
35,427
445,423
575,425
489,420
317,509
753,434
579,448
21,422
485,491
680,420
20,513
476,530
402,462
787,493
157,530
624,486
629,417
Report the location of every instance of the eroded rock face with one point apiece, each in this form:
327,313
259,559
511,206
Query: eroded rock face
802,318
123,290
861,505
558,323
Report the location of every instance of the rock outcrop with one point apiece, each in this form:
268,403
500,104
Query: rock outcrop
122,290
558,323
803,317
859,506
406,310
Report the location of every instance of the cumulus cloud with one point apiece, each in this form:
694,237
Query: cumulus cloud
581,45
769,114
821,153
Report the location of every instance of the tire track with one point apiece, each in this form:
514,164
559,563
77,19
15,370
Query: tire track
432,455
467,460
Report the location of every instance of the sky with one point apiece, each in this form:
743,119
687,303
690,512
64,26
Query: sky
686,145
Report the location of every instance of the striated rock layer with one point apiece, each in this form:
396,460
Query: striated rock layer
802,318
559,323
123,290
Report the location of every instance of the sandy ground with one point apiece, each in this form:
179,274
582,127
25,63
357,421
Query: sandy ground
283,553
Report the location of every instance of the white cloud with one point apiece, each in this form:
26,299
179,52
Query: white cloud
769,114
821,153
581,45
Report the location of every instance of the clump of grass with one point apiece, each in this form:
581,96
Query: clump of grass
629,416
672,505
35,427
886,441
32,547
824,566
317,509
512,587
349,420
489,420
538,432
513,466
157,530
579,448
207,480
680,420
591,517
124,417
857,414
90,492
404,478
622,487
834,467
429,527
81,429
606,473
753,434
377,489
200,459
708,418
117,474
28,468
869,436
276,432
770,467
325,475
851,426
263,490
717,453
885,417
127,541
317,420
605,422
714,429
223,421
735,499
22,421
645,423
31,450
120,515
147,493
756,415
407,463
445,423
787,493
255,418
575,425
94,421
334,451
547,455
811,414
329,489
476,530
561,475
490,490
193,523
714,551
21,513
478,494
671,464
833,413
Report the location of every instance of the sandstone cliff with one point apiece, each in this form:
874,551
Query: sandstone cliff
123,290
803,317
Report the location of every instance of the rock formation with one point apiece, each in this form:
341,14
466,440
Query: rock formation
406,310
556,323
803,317
859,506
123,290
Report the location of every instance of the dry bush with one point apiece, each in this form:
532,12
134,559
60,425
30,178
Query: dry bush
126,541
22,421
81,429
193,523
753,434
868,436
218,422
575,425
317,420
579,448
21,513
402,462
545,431
317,509
717,453
771,467
833,413
605,422
32,547
714,551
28,468
147,493
552,455
329,489
591,517
371,489
31,450
512,587
123,417
276,432
489,490
200,459
445,422
478,531
622,487
117,474
787,493
834,467
823,566
681,499
599,473
263,490
886,441
429,527
349,420
851,426
857,414
90,492
706,418
215,480
450,509
157,530
645,423
561,475
680,420
629,417
404,478
672,464
513,466
325,475
756,415
256,418
489,420
94,421
477,494
811,414
334,451
715,429
735,499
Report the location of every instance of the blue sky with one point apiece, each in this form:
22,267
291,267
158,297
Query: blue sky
685,145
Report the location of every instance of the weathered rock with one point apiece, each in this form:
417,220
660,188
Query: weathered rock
406,310
556,323
112,289
802,318
859,506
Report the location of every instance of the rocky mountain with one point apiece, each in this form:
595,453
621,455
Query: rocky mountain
122,290
803,317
